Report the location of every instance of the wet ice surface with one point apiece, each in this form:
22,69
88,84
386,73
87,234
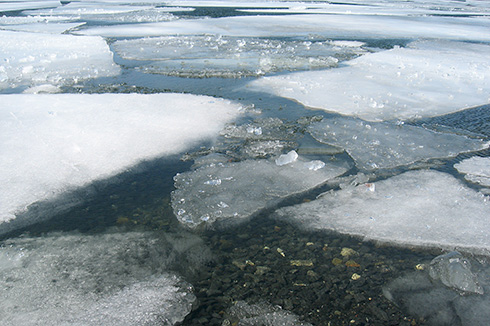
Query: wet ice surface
379,145
53,143
231,193
418,208
476,169
110,279
221,56
422,80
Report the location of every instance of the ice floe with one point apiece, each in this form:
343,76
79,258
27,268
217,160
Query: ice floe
476,169
53,143
418,208
6,6
42,27
29,59
109,279
375,145
221,56
229,193
421,80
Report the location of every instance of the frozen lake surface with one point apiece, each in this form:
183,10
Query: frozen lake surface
244,162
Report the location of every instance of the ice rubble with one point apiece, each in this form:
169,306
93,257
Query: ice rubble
324,26
377,145
444,304
29,59
231,56
109,279
232,192
476,169
52,143
424,79
420,208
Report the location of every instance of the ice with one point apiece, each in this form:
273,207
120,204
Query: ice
222,56
6,6
288,158
325,26
454,271
243,314
88,8
233,192
104,279
476,170
438,304
427,78
377,145
416,208
53,143
29,59
52,28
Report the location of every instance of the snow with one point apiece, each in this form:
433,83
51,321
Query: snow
325,26
378,145
53,143
110,279
416,208
427,78
29,59
231,193
476,169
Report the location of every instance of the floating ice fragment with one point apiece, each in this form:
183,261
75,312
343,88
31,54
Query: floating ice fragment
385,145
246,188
417,208
454,271
476,169
288,158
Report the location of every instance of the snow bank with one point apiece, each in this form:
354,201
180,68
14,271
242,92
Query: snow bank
420,208
51,143
424,79
377,145
232,192
325,26
106,279
29,59
476,170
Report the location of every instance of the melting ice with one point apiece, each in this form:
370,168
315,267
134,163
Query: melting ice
476,169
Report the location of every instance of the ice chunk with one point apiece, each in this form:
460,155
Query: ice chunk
34,58
455,272
417,208
422,80
87,8
51,28
288,158
51,143
377,145
223,56
110,279
245,187
24,5
476,169
243,314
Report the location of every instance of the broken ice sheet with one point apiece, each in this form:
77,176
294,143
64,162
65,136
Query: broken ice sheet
29,59
224,56
230,193
416,208
427,78
378,145
105,279
476,169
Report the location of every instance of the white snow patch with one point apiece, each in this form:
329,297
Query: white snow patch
51,143
476,170
416,208
422,80
29,59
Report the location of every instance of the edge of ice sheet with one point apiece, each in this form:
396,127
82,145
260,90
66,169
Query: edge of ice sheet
422,80
416,208
226,194
53,143
476,170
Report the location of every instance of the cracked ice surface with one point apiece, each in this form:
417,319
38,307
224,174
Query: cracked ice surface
476,169
422,80
375,145
53,143
29,59
105,279
420,208
233,192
